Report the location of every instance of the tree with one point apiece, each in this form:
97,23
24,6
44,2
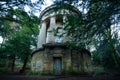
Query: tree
107,11
20,46
26,41
6,5
19,36
9,10
95,25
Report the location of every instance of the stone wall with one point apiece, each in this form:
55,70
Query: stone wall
43,61
37,62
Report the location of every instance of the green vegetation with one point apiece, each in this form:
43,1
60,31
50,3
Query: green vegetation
19,32
94,29
5,70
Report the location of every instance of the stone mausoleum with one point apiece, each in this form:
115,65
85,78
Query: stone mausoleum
52,54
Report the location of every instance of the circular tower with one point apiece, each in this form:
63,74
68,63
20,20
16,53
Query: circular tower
52,55
52,19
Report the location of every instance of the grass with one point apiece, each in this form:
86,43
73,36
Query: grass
99,70
5,70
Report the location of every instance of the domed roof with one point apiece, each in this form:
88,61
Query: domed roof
58,6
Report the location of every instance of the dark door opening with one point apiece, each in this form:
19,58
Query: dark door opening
57,66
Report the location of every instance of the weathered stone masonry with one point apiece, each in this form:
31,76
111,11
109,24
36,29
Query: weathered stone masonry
52,55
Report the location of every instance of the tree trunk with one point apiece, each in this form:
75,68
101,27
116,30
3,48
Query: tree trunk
82,62
71,60
115,56
24,65
13,64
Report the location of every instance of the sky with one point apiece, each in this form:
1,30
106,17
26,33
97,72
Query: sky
1,39
47,3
